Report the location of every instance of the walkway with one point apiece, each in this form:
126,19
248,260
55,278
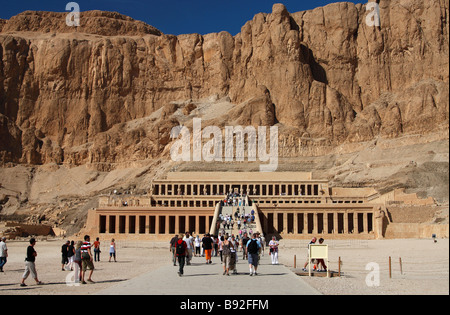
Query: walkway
202,279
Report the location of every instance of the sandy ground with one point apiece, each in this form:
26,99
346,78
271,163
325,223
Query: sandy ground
133,259
425,267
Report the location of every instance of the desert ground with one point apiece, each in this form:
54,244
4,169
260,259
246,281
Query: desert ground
425,267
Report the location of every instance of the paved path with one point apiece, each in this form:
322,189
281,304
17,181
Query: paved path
202,279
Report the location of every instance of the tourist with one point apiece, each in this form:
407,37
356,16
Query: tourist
245,240
261,241
197,246
221,240
70,255
3,253
97,250
112,250
253,249
30,266
273,244
77,261
216,246
321,262
173,244
234,258
190,247
226,254
313,241
64,252
207,246
86,260
181,252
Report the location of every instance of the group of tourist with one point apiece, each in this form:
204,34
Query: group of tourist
226,246
235,200
75,256
78,255
318,264
241,220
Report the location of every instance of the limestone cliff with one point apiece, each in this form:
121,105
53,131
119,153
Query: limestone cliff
110,90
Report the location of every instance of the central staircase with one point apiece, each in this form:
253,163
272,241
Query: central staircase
229,210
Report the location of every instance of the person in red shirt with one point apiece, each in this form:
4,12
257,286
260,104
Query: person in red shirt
181,252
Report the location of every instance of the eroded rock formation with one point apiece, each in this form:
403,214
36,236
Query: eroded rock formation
86,95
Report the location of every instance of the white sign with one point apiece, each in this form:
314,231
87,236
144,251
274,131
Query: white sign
318,252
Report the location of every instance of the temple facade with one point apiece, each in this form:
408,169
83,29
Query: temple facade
286,204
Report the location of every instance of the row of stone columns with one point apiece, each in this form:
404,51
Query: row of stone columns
249,189
153,224
339,224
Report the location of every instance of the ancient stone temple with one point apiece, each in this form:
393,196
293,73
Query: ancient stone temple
287,204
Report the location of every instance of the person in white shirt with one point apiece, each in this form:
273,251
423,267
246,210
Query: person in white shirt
197,243
190,247
3,253
273,245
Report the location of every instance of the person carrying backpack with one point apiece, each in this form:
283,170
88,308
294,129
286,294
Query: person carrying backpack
253,248
181,252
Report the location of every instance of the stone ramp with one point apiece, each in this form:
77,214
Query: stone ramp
202,279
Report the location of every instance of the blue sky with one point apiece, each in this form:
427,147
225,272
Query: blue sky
173,16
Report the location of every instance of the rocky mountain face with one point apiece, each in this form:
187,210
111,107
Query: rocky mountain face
85,95
86,110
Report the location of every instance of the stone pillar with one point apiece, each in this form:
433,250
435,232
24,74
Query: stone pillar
325,223
305,223
146,224
295,223
177,224
117,231
345,222
316,223
366,223
336,223
188,224
107,224
285,223
167,231
157,224
207,224
266,222
275,221
197,224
